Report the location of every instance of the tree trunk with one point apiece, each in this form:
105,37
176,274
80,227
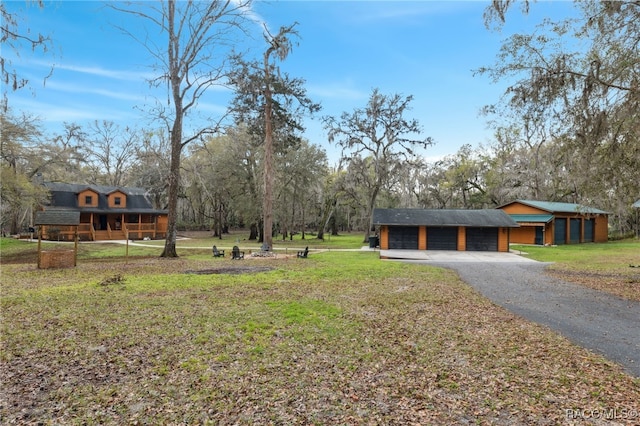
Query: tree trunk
253,232
328,212
267,206
174,183
176,137
372,203
334,226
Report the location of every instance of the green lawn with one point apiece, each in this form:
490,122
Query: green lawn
339,338
200,246
613,267
593,256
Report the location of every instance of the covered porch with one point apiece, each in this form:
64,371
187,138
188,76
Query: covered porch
111,226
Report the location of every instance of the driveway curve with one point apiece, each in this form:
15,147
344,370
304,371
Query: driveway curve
602,323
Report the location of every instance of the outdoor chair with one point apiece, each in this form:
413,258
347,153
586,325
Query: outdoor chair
217,253
236,253
303,254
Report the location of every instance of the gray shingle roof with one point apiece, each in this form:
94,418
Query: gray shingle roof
487,218
65,195
57,217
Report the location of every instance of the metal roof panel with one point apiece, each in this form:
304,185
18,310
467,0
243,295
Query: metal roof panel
557,207
541,218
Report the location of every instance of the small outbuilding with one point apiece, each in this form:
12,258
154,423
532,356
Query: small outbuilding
55,219
436,229
554,223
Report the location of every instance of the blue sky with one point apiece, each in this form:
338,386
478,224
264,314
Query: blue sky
427,49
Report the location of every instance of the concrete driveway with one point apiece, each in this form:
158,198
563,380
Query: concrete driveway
454,256
600,322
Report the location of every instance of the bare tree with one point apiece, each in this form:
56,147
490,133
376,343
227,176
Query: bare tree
111,152
377,139
189,65
153,163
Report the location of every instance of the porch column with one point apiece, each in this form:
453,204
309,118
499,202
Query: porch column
92,229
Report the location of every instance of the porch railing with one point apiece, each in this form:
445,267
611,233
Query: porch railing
87,232
142,230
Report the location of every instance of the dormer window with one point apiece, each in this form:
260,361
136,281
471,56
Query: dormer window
88,200
117,199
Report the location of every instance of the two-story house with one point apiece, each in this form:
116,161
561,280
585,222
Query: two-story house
106,213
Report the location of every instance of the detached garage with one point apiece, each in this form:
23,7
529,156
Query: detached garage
427,229
545,222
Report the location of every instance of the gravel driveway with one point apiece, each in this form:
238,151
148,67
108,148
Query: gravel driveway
605,324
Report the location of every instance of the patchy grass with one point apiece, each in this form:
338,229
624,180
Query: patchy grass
205,240
24,251
613,267
339,338
190,243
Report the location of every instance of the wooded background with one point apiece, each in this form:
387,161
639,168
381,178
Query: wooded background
567,129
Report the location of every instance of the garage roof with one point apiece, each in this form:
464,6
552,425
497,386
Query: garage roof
556,207
538,218
487,218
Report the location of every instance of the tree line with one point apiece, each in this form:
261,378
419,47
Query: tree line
221,178
566,130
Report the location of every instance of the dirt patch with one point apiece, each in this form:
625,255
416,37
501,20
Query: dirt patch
231,270
19,258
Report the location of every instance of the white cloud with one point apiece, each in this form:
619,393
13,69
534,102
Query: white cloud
83,89
105,72
122,75
251,14
51,113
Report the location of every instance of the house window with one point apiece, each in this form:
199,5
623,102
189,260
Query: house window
88,199
117,201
